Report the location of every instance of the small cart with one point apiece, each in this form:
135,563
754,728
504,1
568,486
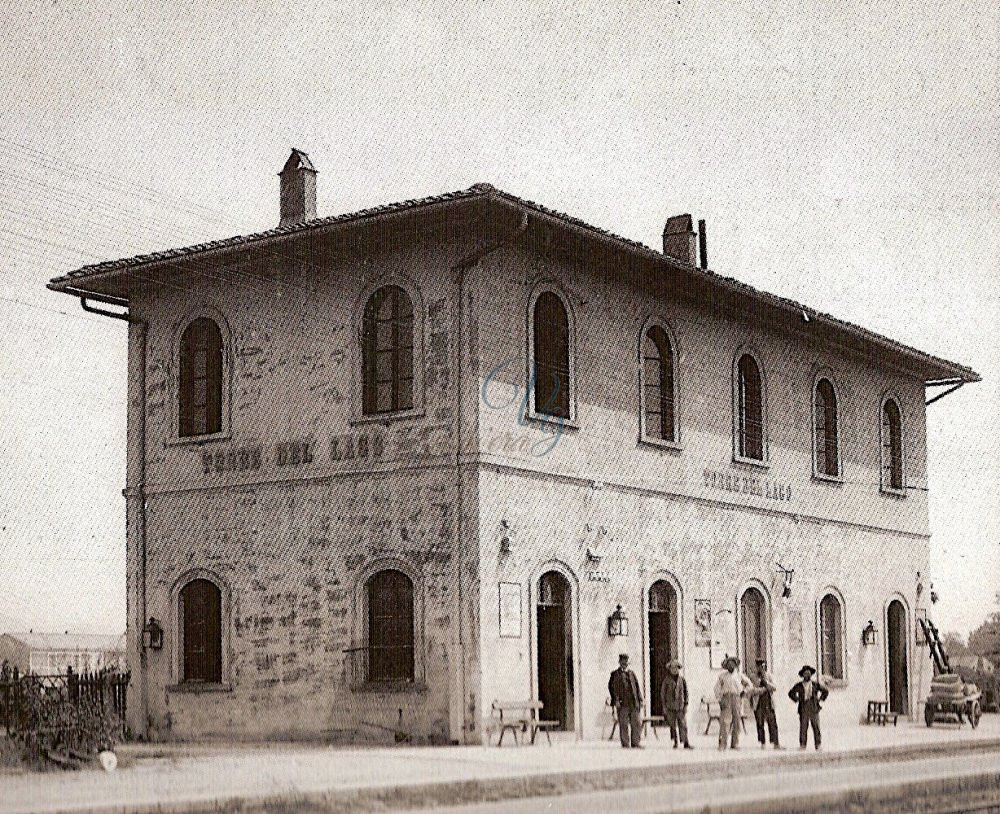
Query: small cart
954,712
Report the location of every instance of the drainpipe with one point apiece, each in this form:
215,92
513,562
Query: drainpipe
135,504
465,264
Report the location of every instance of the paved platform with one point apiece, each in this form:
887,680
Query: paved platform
226,777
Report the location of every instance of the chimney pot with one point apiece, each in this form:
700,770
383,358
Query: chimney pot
680,240
298,189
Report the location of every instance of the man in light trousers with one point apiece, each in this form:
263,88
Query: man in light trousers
729,691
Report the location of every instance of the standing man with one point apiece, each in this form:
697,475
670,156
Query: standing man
763,704
626,697
808,694
729,691
674,695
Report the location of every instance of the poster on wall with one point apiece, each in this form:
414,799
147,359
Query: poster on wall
723,637
794,629
702,623
510,610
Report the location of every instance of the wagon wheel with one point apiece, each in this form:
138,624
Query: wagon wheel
929,714
974,713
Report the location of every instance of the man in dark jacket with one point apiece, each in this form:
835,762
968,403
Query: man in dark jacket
626,697
762,700
674,696
808,694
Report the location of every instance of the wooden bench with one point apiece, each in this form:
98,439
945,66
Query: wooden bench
714,713
515,716
653,721
879,713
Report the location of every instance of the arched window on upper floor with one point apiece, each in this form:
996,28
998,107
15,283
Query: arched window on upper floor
892,446
825,428
387,350
199,396
658,386
750,430
551,356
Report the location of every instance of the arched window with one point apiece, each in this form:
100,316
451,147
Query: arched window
825,425
201,631
550,356
750,406
753,621
390,626
658,385
200,391
387,350
831,637
892,446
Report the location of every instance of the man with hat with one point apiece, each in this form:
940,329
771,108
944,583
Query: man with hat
674,695
808,694
729,691
626,698
762,700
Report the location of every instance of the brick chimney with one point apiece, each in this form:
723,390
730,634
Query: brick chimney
298,189
680,240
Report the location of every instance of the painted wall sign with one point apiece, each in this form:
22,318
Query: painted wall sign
510,610
747,485
363,446
293,453
234,460
702,623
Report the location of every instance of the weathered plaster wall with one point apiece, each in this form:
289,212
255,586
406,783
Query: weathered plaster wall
294,504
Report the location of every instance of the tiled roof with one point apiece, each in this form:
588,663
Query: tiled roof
483,190
89,642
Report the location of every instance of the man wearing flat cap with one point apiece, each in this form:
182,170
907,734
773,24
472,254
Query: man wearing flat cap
626,698
808,694
674,696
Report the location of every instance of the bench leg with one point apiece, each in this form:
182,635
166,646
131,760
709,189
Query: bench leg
548,737
614,726
503,731
709,724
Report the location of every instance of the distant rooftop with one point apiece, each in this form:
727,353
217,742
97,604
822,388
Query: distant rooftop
71,641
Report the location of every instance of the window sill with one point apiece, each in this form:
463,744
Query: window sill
200,687
835,683
754,462
386,418
198,440
819,476
890,492
646,440
551,422
390,687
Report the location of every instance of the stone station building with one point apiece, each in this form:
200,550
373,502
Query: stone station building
386,467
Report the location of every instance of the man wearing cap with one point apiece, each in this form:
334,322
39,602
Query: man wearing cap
762,700
808,694
729,691
626,698
674,695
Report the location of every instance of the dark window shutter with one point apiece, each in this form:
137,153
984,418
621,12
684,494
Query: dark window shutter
387,351
658,395
390,627
751,409
200,379
201,611
551,356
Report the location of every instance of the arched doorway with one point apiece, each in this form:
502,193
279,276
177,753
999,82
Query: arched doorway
555,649
899,691
662,631
753,627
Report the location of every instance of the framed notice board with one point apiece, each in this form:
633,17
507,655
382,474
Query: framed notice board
510,610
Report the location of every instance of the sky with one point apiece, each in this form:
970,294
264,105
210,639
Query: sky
843,154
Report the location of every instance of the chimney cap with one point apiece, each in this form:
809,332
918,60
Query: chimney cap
678,224
298,160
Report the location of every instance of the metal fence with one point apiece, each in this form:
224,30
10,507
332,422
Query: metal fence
109,689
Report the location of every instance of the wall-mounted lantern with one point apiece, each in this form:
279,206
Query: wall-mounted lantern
152,635
786,585
868,634
934,595
505,539
618,623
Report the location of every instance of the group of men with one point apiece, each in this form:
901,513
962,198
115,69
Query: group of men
730,690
